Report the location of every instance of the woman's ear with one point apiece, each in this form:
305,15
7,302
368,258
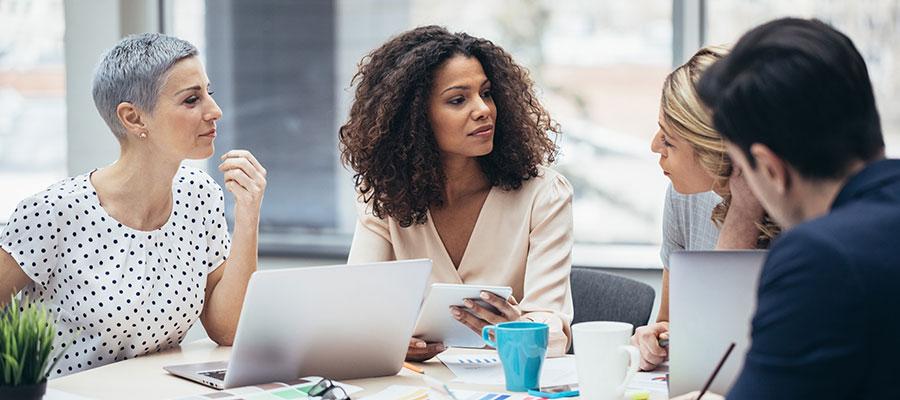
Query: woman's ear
132,119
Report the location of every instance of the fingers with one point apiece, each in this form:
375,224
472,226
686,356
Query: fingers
244,154
243,165
419,350
245,178
238,176
506,308
646,338
483,313
466,318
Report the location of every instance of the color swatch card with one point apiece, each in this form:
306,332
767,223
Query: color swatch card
487,370
270,391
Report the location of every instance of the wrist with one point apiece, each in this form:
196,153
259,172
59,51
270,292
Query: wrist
745,211
246,216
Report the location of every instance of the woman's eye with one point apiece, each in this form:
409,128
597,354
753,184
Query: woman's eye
210,92
486,94
456,100
191,100
666,142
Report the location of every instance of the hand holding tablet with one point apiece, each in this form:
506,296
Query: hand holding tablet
437,322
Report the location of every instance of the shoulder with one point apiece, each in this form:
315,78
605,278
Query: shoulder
807,253
548,184
698,203
65,194
194,182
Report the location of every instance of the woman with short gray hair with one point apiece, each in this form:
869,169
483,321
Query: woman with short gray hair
130,255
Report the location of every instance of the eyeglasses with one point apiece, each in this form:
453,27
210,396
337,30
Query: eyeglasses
327,390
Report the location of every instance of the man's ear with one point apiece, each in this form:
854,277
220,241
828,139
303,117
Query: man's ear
772,167
131,118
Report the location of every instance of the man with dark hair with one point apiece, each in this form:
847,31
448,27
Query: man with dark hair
795,105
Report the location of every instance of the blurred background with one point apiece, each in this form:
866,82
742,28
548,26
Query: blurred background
282,69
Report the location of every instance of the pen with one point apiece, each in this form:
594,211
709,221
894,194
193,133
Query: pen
716,371
413,368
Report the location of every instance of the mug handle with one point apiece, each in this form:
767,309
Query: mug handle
486,335
634,363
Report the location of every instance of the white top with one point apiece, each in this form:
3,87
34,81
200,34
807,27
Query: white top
521,239
118,292
687,223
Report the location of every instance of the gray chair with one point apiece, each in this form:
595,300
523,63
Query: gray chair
601,296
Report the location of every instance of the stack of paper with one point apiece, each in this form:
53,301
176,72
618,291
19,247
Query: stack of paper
399,392
487,370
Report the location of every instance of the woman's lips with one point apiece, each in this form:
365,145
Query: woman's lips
484,131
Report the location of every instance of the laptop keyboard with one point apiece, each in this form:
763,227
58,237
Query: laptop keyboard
218,374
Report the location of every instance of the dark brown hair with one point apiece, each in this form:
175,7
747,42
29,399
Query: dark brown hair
388,140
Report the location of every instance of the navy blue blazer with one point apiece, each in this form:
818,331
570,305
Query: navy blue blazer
826,324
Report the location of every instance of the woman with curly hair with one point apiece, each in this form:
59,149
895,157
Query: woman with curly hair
449,145
709,205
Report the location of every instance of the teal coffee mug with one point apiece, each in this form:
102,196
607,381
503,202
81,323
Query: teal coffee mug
522,347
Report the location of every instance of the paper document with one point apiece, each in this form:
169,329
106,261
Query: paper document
399,392
650,381
485,369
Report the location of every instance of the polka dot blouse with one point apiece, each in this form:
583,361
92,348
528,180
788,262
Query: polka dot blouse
118,292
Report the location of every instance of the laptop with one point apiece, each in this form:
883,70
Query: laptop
712,299
339,322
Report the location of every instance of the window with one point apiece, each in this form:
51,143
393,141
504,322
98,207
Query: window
32,97
281,67
282,71
871,25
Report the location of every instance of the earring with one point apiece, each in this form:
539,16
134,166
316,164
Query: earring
143,135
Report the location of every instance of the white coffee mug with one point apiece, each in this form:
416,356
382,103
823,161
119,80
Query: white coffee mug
605,361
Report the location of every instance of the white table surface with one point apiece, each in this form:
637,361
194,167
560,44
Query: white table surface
144,377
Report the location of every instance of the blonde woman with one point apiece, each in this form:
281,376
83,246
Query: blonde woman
708,206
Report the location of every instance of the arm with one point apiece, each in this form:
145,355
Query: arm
12,278
739,229
646,338
226,286
547,294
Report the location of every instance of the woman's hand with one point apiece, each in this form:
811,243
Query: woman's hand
477,317
245,178
743,201
420,351
646,338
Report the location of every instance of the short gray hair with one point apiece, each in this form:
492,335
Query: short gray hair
133,71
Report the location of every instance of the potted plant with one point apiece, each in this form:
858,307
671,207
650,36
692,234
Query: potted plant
27,331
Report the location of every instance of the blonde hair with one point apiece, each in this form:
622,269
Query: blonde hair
688,117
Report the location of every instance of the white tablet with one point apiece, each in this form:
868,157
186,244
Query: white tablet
436,323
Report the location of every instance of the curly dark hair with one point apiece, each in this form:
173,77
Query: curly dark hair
388,139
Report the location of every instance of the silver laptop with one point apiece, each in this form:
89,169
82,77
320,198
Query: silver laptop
339,322
712,298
